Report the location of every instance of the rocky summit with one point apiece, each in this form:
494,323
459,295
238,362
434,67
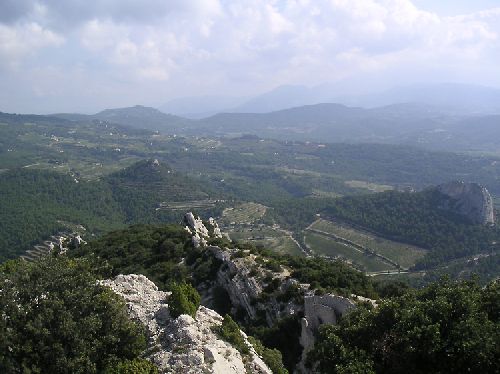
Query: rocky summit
183,344
470,200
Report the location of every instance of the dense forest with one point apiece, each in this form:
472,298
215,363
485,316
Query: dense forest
38,203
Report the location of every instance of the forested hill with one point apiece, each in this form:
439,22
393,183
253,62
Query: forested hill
417,218
138,117
38,203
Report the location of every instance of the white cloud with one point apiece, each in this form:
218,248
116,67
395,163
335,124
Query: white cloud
18,41
209,46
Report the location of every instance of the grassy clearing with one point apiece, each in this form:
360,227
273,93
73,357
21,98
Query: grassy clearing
404,254
322,245
373,187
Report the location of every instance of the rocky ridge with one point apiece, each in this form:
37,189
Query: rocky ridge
470,200
256,289
184,344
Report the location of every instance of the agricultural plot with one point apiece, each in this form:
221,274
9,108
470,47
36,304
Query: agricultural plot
187,205
372,187
325,246
404,255
245,213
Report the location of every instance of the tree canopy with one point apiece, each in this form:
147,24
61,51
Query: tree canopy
448,327
56,318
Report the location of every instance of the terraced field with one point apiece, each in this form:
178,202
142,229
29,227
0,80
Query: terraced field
245,213
240,222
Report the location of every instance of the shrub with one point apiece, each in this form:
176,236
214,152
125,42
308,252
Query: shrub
184,300
230,332
137,366
272,357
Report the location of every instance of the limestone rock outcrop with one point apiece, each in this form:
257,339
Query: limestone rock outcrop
196,228
470,200
184,344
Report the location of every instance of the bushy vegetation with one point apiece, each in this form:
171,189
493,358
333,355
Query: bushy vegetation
137,366
56,318
230,332
447,327
155,251
183,300
283,336
272,357
331,276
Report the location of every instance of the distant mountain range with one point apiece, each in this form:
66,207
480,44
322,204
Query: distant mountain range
430,126
452,97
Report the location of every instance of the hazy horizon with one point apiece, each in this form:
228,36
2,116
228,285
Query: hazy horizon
69,56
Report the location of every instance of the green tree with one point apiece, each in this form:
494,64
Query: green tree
183,300
445,328
56,318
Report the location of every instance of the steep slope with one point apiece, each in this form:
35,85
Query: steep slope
469,200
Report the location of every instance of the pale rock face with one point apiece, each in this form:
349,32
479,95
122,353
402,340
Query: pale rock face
217,232
78,241
197,228
470,200
319,310
184,344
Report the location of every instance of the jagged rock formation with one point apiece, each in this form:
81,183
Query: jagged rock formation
184,344
200,233
470,200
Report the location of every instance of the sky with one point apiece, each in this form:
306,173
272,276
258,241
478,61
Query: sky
84,56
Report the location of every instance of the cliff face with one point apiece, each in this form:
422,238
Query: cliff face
183,344
470,200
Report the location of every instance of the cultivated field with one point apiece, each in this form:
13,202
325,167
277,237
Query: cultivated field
325,246
401,254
